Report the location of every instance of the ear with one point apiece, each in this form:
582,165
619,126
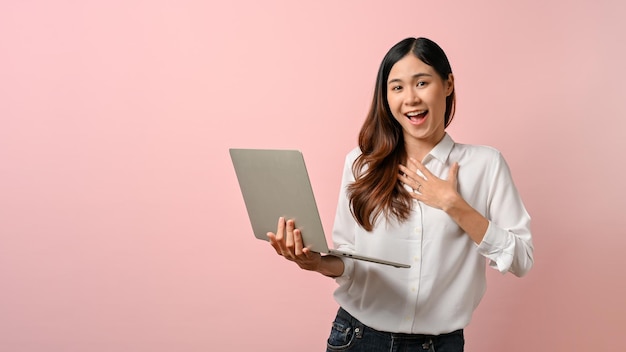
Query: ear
449,85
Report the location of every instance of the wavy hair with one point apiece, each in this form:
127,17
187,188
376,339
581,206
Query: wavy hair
376,189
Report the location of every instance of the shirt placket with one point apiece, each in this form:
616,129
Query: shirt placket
413,286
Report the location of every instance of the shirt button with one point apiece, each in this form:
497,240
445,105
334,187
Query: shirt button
418,230
416,259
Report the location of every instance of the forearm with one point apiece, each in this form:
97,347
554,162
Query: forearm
470,220
330,266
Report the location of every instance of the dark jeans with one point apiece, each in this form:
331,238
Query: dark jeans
349,334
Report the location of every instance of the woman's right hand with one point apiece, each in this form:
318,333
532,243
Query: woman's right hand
287,241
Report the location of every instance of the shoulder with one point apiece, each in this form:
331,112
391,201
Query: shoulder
477,152
350,158
480,160
353,155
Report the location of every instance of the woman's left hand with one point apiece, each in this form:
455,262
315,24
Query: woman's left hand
428,188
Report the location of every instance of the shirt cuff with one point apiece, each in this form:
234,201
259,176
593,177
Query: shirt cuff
348,268
498,247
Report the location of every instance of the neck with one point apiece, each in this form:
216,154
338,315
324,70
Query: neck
418,149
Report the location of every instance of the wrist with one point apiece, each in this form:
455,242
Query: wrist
330,265
453,203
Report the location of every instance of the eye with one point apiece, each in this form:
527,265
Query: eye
422,83
396,88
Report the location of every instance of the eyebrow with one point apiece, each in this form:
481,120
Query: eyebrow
417,75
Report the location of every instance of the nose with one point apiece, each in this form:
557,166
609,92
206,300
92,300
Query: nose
412,97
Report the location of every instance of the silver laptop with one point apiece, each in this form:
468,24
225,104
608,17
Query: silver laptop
275,183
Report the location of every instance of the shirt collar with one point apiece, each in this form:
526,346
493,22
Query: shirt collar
442,150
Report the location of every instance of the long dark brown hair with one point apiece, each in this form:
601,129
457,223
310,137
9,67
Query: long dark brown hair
376,189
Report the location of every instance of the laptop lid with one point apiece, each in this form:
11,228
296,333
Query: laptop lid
275,183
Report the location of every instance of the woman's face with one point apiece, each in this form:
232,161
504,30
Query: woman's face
416,95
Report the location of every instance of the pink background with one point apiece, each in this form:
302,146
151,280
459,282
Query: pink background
121,224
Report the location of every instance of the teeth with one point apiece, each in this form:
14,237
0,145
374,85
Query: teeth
414,113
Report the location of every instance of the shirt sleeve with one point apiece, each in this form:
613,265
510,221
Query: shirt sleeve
508,242
344,226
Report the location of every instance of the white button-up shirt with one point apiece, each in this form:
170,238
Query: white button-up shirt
446,281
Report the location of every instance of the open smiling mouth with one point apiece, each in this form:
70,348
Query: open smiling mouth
416,116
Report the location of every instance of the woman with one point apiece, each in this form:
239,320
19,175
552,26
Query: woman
411,194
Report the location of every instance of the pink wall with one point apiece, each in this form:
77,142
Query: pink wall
121,224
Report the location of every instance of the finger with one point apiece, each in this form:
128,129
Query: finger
408,181
411,166
280,237
421,168
410,174
403,170
297,238
280,231
402,176
452,174
272,237
289,241
307,252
